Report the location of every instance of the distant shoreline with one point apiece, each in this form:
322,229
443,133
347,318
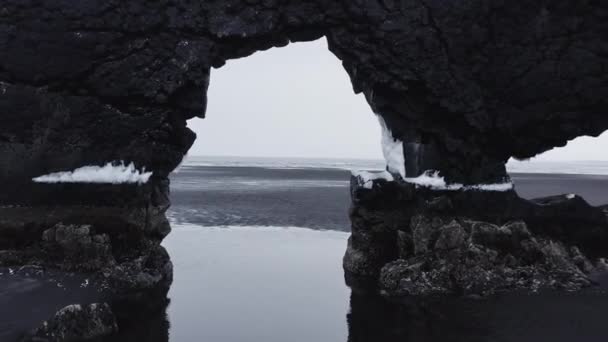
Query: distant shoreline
589,167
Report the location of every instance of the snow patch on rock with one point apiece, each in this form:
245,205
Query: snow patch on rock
392,149
110,174
570,196
429,179
432,179
491,187
367,178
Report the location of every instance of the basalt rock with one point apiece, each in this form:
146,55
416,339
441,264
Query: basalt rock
77,247
133,274
465,85
478,258
138,279
77,323
413,241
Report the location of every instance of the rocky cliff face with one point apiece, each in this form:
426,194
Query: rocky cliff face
409,240
463,85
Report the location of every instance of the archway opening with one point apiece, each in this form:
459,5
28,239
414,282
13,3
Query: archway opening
580,167
295,101
282,131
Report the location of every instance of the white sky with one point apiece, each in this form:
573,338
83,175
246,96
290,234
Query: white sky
297,101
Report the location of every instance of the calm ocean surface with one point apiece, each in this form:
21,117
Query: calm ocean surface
257,246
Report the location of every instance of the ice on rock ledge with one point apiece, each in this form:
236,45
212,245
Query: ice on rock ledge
367,178
429,179
392,149
432,180
108,174
491,187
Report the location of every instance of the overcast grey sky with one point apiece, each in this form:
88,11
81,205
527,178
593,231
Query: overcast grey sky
297,101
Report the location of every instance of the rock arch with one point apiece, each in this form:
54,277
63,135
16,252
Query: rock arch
465,85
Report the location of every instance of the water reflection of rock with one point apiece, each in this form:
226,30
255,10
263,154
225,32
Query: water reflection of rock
374,318
542,317
143,324
139,299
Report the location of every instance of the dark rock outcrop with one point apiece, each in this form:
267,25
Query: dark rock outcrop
77,323
139,279
465,85
409,240
477,258
132,273
76,247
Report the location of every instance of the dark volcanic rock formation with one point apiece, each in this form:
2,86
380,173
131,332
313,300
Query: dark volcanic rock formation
413,241
77,323
464,85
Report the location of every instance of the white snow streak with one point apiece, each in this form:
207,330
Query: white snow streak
112,174
432,180
367,178
491,187
392,149
429,179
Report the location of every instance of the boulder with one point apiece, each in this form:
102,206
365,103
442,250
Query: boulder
451,236
484,259
77,323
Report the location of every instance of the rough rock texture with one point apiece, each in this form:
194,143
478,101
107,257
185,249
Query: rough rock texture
413,241
134,282
481,258
77,247
138,279
132,272
465,84
68,247
126,273
77,323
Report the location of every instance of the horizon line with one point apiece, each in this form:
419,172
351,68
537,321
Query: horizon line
375,159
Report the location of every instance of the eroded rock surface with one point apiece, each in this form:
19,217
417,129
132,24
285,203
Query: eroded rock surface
479,258
77,247
77,323
414,241
464,84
